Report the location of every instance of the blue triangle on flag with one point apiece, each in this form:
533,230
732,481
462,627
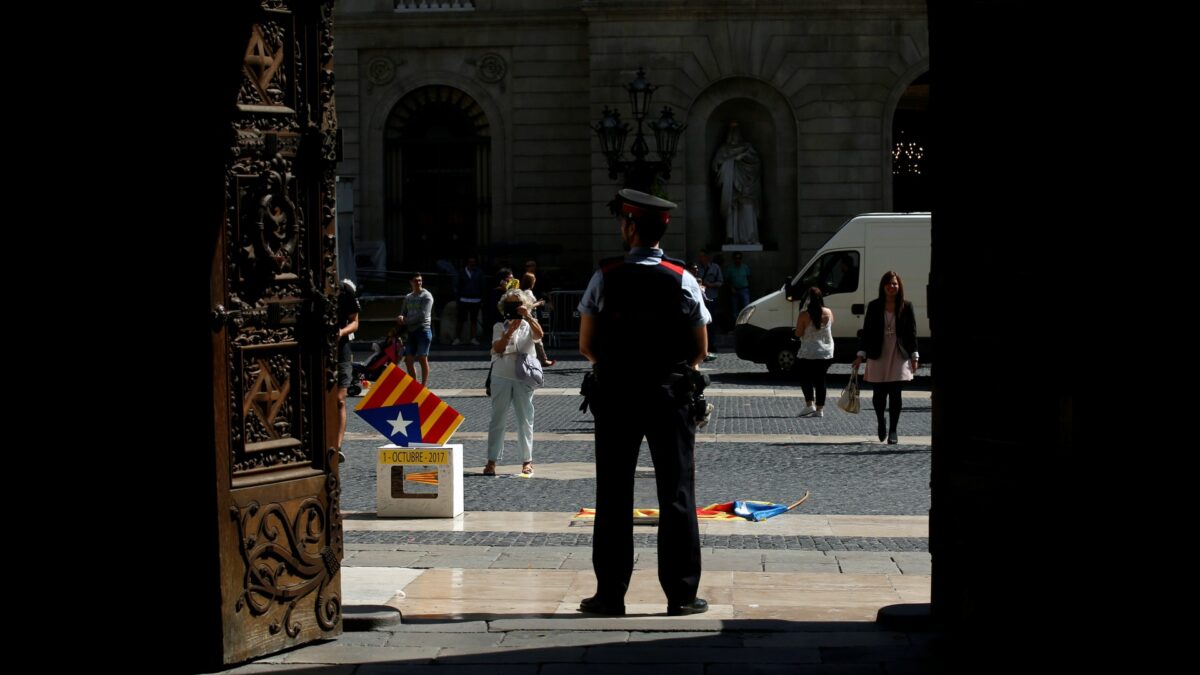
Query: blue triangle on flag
401,424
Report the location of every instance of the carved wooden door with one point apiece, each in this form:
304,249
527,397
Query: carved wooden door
274,342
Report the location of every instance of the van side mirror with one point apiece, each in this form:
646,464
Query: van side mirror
789,291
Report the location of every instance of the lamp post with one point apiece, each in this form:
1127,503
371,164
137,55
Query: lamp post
639,174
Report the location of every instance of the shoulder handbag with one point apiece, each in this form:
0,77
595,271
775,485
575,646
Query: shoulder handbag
529,371
848,401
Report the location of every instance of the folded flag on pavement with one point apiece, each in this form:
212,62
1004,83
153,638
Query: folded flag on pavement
406,412
748,510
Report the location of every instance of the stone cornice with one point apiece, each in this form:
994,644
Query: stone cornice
689,9
620,10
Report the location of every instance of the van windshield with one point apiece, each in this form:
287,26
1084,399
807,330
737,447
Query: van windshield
835,272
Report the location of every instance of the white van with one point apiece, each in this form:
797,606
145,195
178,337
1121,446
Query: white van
848,269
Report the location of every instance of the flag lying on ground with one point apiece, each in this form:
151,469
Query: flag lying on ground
748,510
406,412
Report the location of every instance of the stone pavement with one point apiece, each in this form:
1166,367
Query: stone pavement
502,607
496,590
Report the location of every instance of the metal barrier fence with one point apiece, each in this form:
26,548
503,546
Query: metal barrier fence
564,317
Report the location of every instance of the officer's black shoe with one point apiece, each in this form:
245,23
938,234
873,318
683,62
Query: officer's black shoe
595,605
697,606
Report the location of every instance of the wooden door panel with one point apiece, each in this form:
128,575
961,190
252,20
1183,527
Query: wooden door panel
274,343
289,586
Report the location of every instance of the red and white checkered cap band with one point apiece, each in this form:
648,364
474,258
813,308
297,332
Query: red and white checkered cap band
635,212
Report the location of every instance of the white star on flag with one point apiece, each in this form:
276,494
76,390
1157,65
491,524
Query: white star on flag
400,425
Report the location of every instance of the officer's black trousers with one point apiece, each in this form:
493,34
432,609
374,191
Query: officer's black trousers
623,417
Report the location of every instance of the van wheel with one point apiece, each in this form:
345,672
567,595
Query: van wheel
782,361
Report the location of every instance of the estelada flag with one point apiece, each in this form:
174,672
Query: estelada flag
735,510
406,412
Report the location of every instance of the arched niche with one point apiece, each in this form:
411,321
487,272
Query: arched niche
768,121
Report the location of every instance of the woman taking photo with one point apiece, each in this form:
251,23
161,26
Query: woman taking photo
814,328
888,342
512,339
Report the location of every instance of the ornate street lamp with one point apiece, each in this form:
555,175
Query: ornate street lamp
639,173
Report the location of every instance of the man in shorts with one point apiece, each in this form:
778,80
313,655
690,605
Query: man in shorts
417,320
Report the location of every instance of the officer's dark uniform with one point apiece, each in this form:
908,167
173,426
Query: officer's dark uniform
643,338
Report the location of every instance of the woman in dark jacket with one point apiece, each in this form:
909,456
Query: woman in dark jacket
888,341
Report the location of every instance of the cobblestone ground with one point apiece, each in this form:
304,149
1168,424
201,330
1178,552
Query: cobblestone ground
851,477
642,540
460,368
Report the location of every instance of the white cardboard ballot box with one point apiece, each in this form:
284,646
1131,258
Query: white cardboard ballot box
419,481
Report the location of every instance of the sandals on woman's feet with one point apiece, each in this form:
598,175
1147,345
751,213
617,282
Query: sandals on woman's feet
527,469
490,469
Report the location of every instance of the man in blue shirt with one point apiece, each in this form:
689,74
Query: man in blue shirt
470,298
642,326
738,275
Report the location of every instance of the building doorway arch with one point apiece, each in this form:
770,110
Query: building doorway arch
910,148
437,177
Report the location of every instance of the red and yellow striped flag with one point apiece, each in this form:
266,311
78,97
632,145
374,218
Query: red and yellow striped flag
406,412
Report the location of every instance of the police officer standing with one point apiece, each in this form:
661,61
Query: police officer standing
643,328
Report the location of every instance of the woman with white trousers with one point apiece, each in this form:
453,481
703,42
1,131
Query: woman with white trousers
512,339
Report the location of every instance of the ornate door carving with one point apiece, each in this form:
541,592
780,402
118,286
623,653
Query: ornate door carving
274,342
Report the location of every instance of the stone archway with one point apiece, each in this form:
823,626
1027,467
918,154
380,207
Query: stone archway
437,177
906,134
910,145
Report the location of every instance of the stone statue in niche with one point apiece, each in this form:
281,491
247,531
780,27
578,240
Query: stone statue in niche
739,180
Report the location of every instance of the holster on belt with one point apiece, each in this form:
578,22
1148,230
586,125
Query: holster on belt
587,389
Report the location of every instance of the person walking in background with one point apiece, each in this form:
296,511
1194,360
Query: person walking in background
470,297
711,280
512,339
417,319
528,281
738,276
531,267
504,277
544,290
642,326
347,317
814,327
888,342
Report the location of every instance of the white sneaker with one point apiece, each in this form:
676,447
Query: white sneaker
818,413
456,342
475,342
807,411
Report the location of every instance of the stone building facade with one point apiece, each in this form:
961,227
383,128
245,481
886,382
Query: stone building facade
467,123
